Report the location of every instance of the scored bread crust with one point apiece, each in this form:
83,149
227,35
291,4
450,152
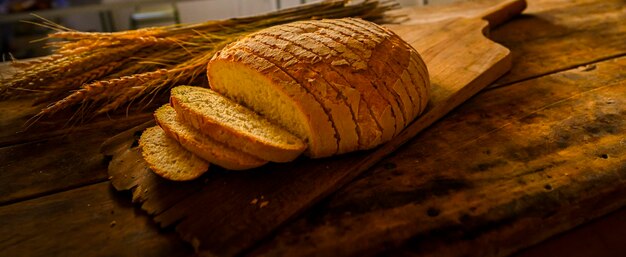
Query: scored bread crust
167,158
352,69
379,60
201,108
418,88
302,70
369,130
379,80
205,147
320,136
389,65
420,77
409,60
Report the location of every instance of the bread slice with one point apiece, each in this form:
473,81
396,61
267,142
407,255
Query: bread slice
202,145
235,125
167,158
266,88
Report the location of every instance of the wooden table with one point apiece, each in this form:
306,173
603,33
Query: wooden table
559,112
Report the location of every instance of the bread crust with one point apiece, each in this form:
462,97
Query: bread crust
353,68
416,90
306,75
379,70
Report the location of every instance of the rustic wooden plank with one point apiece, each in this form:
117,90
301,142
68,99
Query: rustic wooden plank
55,163
89,221
461,9
587,30
509,168
554,35
51,165
222,217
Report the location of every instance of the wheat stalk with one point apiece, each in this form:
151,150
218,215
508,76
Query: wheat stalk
100,72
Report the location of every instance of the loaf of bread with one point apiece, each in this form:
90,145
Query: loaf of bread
321,87
341,85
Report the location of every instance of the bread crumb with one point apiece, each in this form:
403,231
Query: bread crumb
588,67
339,62
263,204
254,201
360,65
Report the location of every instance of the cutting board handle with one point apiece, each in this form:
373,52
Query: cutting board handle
503,11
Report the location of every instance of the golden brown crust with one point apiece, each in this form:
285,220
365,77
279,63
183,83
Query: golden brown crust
322,140
419,78
346,70
417,89
424,79
377,62
376,59
416,67
305,74
372,127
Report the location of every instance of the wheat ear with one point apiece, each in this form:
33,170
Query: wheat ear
64,86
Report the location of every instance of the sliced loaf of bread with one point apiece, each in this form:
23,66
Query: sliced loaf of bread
202,145
358,72
234,125
167,158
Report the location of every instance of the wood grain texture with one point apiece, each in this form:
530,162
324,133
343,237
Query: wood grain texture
222,217
89,221
51,165
511,167
490,10
587,30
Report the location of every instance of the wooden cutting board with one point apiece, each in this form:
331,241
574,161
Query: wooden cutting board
225,213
